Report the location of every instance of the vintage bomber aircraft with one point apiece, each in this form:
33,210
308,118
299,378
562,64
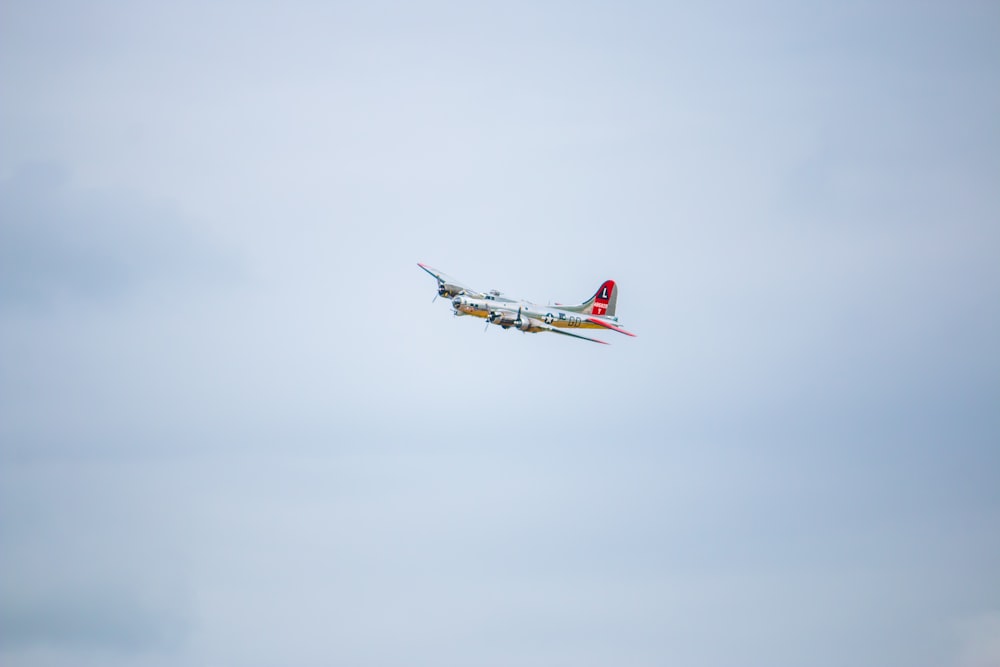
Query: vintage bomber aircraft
597,312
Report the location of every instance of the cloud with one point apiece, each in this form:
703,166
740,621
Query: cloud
91,561
88,620
58,241
797,449
979,641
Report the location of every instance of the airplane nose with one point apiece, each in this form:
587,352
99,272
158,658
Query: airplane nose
456,302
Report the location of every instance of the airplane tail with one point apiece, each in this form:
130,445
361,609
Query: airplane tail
602,303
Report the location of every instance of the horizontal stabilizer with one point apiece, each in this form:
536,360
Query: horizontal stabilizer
609,325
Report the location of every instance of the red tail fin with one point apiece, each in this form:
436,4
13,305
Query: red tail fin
605,299
601,304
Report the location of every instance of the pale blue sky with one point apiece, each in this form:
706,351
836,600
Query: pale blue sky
234,430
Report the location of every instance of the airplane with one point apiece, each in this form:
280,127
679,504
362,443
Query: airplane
597,312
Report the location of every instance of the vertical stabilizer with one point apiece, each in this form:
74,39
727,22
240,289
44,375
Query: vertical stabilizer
605,299
602,303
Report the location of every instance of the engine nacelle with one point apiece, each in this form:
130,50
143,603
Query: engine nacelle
449,290
507,319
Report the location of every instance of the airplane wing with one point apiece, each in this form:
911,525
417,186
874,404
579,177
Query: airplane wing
450,284
609,325
546,327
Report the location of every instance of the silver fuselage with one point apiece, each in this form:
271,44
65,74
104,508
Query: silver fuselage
503,309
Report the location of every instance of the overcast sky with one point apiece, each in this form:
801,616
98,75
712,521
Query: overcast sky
235,430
